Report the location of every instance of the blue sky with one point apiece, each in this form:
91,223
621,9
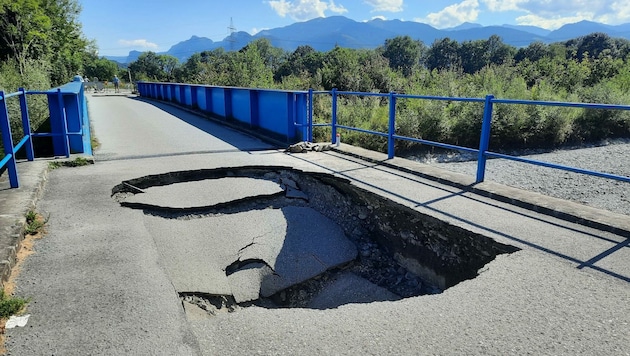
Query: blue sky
119,26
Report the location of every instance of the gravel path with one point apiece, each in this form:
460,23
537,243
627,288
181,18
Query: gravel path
592,191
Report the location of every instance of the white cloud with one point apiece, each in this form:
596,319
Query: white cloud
379,18
549,23
385,5
138,44
256,30
453,15
301,10
503,5
338,9
621,11
553,14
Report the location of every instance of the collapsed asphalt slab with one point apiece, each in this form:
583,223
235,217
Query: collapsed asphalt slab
267,251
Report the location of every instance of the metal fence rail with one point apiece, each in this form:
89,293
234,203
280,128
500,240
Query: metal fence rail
10,150
69,125
482,151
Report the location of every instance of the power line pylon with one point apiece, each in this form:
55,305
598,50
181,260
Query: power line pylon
231,38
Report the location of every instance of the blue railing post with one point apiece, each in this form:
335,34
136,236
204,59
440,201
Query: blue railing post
227,100
209,100
334,115
392,125
64,124
254,109
484,141
7,142
194,101
310,115
26,125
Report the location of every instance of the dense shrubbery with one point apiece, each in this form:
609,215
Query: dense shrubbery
41,46
34,76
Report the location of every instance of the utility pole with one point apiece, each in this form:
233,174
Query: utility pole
232,30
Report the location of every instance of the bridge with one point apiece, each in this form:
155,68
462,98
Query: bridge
189,236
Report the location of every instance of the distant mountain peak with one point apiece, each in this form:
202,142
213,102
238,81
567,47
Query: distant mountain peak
324,33
464,26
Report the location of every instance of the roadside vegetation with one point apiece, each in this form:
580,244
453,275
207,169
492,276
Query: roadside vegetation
42,46
593,69
10,305
77,162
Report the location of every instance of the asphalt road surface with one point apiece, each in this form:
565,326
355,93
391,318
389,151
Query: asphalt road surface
106,279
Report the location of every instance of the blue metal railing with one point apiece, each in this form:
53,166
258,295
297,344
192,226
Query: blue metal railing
68,118
278,114
482,151
7,138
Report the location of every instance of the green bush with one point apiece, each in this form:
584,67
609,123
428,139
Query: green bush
598,124
10,305
34,77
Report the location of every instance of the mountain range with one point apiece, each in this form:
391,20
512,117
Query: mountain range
323,34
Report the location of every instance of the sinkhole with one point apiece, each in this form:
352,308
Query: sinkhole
279,237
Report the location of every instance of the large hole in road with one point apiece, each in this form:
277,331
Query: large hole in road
280,237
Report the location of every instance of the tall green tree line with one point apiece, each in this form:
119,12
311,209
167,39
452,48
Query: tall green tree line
593,68
42,46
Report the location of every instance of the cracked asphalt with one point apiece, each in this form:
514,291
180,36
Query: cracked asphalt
106,279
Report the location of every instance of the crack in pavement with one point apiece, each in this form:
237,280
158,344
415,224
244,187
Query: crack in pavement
241,264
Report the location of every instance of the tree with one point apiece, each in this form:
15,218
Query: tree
474,56
593,44
443,54
498,52
341,70
271,56
67,44
168,65
377,74
156,67
534,52
303,61
101,68
403,53
24,28
189,70
249,67
43,30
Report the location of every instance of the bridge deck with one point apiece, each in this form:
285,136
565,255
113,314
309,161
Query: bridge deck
101,281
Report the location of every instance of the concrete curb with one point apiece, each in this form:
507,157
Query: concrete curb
599,219
15,204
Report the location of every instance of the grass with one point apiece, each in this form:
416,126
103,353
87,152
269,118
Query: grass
94,142
10,305
34,223
77,162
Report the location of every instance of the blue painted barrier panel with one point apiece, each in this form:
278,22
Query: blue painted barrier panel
241,105
282,114
193,97
274,105
187,95
177,94
218,101
65,105
201,98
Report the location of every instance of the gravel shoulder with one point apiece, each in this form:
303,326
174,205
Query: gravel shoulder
602,193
